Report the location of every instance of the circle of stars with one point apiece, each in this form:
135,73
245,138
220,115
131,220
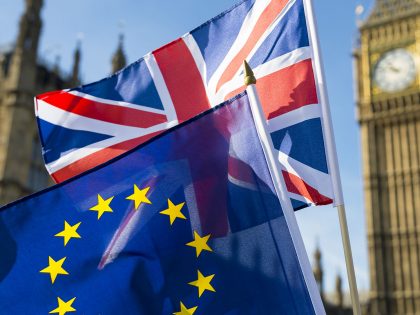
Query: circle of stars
56,268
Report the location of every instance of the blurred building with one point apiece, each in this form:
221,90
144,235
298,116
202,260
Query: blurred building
388,105
22,76
334,303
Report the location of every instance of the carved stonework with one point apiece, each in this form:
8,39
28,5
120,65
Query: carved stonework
21,78
388,109
391,9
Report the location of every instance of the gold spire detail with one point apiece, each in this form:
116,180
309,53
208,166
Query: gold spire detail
249,75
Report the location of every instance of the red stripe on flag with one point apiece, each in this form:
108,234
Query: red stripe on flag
101,111
296,185
99,157
212,207
286,90
239,170
265,20
182,79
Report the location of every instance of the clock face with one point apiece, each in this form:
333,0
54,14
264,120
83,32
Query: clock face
395,71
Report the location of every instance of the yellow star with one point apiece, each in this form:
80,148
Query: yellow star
139,196
69,232
200,243
174,211
64,307
55,268
185,311
203,283
102,206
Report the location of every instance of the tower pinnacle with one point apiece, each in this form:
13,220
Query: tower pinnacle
339,290
30,27
119,60
317,270
75,77
23,64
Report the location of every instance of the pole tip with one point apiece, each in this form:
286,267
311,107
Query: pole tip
249,75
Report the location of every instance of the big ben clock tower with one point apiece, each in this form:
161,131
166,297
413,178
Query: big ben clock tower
388,106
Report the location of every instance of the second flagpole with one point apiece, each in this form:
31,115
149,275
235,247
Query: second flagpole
332,154
280,187
275,169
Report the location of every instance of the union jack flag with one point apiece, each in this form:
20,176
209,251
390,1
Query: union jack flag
88,125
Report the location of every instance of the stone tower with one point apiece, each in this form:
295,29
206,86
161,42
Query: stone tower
388,106
17,128
22,76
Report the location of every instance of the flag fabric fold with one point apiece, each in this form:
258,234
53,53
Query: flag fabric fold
83,127
162,229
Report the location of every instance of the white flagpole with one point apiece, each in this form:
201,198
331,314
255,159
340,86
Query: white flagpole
332,153
280,187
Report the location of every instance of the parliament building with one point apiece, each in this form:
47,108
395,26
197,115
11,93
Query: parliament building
22,76
388,110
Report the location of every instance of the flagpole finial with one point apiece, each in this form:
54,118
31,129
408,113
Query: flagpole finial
249,75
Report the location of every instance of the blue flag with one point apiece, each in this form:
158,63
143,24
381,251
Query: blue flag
185,224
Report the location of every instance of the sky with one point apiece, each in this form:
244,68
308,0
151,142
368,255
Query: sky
148,25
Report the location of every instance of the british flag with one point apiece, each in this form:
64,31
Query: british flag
88,125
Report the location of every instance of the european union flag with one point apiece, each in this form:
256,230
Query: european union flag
185,224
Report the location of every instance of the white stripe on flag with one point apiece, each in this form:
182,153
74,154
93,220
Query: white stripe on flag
62,118
267,33
117,103
283,61
265,69
161,87
198,58
242,183
81,153
294,117
300,198
317,179
246,29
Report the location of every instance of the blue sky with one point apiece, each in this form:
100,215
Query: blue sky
150,24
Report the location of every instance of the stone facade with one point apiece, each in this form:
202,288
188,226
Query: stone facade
22,76
388,107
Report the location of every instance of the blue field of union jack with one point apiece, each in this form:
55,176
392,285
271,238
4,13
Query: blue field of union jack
85,126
